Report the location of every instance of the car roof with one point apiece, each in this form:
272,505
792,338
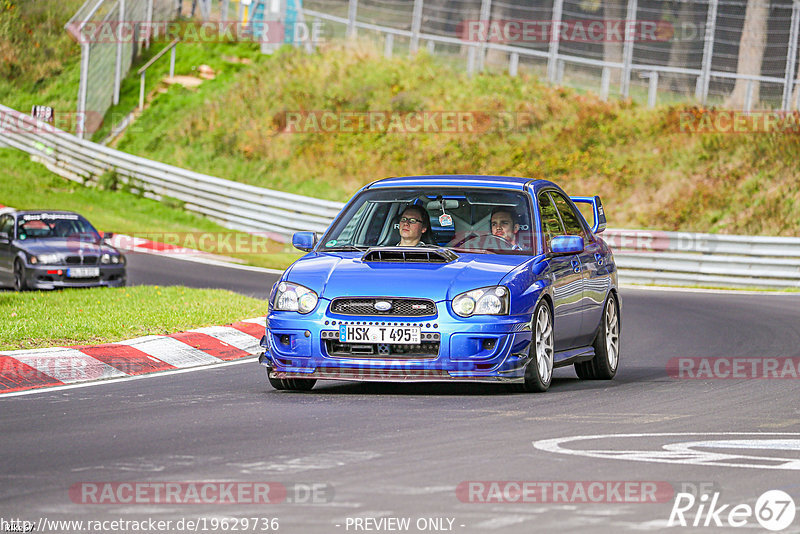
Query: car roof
59,212
459,180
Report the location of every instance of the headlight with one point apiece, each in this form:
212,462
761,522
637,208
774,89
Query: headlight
45,259
484,301
294,297
109,258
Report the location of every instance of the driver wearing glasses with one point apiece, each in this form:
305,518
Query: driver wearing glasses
413,223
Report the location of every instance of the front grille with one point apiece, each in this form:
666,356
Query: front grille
427,350
76,260
399,307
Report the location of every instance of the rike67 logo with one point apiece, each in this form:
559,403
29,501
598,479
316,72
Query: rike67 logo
774,510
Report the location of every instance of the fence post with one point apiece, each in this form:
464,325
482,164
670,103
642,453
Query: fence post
416,23
83,90
224,7
141,91
701,89
555,37
513,63
605,83
149,17
388,46
791,57
627,51
352,10
172,62
118,60
486,19
560,72
748,96
652,90
471,61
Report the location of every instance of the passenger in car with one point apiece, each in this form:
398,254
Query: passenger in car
413,223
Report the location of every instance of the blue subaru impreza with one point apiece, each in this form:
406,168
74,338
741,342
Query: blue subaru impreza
447,278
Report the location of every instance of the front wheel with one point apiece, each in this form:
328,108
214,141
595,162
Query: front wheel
291,384
539,372
19,276
606,347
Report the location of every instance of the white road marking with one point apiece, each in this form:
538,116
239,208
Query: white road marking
231,336
66,365
170,350
684,453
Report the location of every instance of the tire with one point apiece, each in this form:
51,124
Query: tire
539,371
19,276
291,384
606,347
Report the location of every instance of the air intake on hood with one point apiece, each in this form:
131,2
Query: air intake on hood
409,255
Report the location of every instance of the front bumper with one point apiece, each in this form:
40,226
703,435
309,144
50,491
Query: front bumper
474,349
56,276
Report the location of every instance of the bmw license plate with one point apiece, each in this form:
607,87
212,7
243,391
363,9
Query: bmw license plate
83,272
397,335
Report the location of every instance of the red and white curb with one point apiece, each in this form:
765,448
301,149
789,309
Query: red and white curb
22,370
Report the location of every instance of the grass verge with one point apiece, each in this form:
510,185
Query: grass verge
28,185
102,315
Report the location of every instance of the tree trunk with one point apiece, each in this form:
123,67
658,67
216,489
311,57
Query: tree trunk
751,52
612,50
679,52
498,57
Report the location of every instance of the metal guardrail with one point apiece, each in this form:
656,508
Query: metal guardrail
685,258
234,205
643,256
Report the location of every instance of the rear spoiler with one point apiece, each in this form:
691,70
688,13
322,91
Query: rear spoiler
597,209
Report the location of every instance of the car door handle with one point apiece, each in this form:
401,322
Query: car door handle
576,266
599,258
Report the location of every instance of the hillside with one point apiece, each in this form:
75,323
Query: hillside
649,173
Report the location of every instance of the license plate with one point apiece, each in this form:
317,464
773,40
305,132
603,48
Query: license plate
83,272
396,335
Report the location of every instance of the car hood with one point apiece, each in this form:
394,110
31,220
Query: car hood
334,275
63,247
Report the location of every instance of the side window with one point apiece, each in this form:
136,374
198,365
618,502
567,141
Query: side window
572,221
7,224
551,224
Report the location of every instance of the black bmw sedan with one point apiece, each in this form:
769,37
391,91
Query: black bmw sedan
56,249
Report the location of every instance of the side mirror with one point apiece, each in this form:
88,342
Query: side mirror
108,235
4,237
567,244
304,241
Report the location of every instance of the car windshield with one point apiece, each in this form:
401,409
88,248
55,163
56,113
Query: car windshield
477,220
55,226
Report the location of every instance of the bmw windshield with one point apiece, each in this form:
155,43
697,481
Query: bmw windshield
55,226
465,220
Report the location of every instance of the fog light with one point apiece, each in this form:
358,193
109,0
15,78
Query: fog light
285,339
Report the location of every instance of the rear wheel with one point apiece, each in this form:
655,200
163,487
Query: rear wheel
606,347
291,384
19,276
539,372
